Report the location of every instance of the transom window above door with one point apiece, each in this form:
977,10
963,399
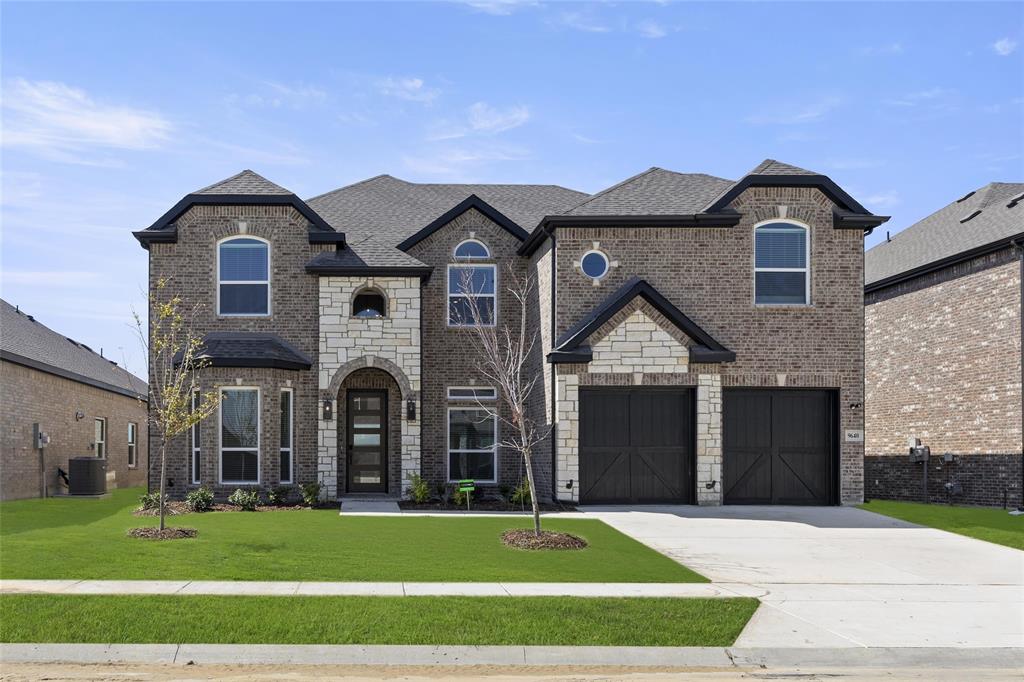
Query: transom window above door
243,272
781,272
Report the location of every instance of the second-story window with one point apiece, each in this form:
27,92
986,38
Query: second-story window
471,249
369,303
243,265
781,271
471,295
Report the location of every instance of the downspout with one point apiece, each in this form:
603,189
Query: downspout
149,365
1020,257
554,370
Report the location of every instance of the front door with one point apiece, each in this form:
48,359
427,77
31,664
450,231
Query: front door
367,430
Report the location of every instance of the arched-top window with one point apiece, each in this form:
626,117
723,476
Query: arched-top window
472,249
243,276
781,270
369,303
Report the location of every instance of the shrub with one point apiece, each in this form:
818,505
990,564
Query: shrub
419,491
521,495
150,500
247,500
460,498
199,500
279,495
311,494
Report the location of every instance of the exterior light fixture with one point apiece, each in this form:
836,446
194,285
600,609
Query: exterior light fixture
328,409
410,410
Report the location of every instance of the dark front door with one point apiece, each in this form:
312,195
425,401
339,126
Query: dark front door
636,445
367,431
779,446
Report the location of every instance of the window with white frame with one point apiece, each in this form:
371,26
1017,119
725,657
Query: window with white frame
471,295
243,267
472,444
133,433
287,422
472,393
471,249
100,437
196,440
239,435
781,272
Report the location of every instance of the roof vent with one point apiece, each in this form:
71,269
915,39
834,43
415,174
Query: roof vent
1016,199
970,215
966,197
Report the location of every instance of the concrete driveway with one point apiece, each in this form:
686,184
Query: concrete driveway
840,576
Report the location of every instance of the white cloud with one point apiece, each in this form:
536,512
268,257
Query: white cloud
277,95
883,200
582,21
462,162
1004,47
486,119
499,7
651,29
411,89
61,122
809,112
889,49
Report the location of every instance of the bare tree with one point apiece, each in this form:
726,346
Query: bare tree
173,350
503,352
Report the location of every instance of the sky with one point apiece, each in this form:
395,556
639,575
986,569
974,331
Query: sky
112,112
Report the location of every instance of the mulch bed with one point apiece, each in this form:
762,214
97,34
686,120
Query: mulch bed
176,507
480,506
165,534
523,538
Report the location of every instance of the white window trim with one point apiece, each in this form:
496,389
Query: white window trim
806,270
270,298
607,264
448,298
291,436
133,445
97,442
469,258
220,436
196,449
468,398
448,443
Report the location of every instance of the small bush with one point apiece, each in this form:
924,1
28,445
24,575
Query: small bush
199,500
419,491
278,495
521,495
150,500
460,498
246,500
311,494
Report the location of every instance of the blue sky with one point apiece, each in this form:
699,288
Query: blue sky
112,112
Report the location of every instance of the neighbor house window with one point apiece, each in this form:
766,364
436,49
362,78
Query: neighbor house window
287,419
472,443
472,249
781,273
196,440
239,435
471,295
133,433
369,303
100,436
244,277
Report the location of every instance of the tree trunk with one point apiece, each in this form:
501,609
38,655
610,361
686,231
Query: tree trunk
163,479
528,456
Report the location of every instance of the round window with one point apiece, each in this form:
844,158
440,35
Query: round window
594,264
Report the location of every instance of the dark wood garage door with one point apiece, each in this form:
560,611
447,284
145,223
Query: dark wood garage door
779,446
636,445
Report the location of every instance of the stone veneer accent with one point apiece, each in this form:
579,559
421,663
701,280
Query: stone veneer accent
348,344
709,439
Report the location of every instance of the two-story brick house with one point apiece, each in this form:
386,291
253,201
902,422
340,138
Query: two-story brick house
700,340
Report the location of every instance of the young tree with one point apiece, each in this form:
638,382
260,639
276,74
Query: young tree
502,353
173,350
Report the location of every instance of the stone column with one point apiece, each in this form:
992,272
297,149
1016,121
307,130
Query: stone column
568,441
709,439
327,453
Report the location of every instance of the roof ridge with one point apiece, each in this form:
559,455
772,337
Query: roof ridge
357,183
225,180
245,173
609,189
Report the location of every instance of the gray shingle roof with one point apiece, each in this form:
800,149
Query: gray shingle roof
942,234
252,349
30,340
773,167
246,182
379,213
654,192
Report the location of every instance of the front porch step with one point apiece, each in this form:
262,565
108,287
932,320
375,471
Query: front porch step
373,504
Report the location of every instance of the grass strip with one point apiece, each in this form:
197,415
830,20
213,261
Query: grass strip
991,525
374,620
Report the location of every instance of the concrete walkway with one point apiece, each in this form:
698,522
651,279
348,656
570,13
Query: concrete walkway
842,577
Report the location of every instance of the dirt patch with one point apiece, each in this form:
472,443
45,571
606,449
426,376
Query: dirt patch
523,538
165,534
481,506
175,508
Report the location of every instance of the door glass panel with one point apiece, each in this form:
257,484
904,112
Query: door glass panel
364,403
366,477
371,458
365,439
366,422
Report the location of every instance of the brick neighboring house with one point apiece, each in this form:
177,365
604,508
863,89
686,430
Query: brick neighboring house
700,339
88,405
943,352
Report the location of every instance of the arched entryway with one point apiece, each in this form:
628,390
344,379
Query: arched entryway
369,428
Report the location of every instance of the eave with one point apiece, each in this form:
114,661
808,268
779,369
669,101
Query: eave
474,202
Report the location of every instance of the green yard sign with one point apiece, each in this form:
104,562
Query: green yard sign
467,486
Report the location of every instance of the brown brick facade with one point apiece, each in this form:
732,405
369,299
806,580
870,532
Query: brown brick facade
943,365
29,395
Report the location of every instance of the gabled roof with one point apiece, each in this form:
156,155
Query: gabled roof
474,202
984,219
246,182
773,167
26,341
656,191
251,349
571,346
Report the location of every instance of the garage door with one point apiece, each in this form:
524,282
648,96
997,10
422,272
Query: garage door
778,446
636,445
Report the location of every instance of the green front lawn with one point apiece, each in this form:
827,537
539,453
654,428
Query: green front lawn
62,538
374,620
993,525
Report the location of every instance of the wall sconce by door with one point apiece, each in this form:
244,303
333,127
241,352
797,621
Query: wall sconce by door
410,410
328,410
